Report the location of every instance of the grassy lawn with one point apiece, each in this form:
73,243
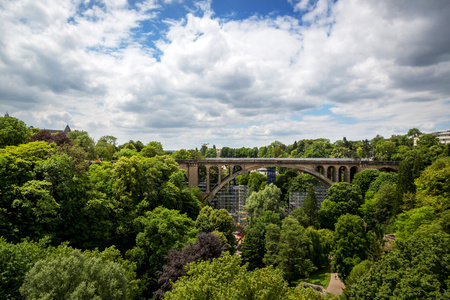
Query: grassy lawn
321,277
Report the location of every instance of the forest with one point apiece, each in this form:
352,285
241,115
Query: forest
86,219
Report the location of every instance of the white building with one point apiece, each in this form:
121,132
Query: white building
443,136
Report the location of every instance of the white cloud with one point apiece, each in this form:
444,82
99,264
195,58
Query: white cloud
230,82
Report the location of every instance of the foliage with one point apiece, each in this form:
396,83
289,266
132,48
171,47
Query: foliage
364,178
301,182
207,247
378,210
59,138
149,151
225,278
75,276
262,201
125,152
309,209
351,244
253,248
288,249
15,261
382,179
17,164
408,222
219,220
256,181
157,145
385,149
35,209
283,182
13,132
405,184
342,198
357,272
428,140
83,140
105,148
433,186
159,231
417,268
321,246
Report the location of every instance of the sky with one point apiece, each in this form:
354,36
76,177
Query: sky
236,73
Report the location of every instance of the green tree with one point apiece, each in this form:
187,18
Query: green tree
203,150
433,186
17,164
378,210
149,151
69,189
157,145
267,199
342,198
13,132
428,140
159,231
413,132
256,181
290,252
408,222
182,154
382,179
225,278
417,268
226,152
82,139
254,248
351,244
15,261
105,147
310,208
125,152
301,182
35,210
321,246
75,276
405,184
211,153
365,178
385,149
217,220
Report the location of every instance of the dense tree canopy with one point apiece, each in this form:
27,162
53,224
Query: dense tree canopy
96,194
352,244
417,268
13,132
225,278
75,276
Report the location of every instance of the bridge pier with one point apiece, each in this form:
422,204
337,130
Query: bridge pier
193,175
208,185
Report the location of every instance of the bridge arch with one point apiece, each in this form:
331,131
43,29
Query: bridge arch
328,182
324,169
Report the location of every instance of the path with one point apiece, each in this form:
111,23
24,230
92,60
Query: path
336,285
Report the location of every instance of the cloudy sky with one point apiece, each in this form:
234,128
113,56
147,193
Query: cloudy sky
227,72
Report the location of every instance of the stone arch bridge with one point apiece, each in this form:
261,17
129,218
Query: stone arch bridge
327,170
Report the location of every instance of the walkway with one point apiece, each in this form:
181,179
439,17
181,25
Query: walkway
335,286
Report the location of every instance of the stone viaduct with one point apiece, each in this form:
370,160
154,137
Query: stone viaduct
327,170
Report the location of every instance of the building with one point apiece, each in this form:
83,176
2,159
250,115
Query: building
65,131
443,136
